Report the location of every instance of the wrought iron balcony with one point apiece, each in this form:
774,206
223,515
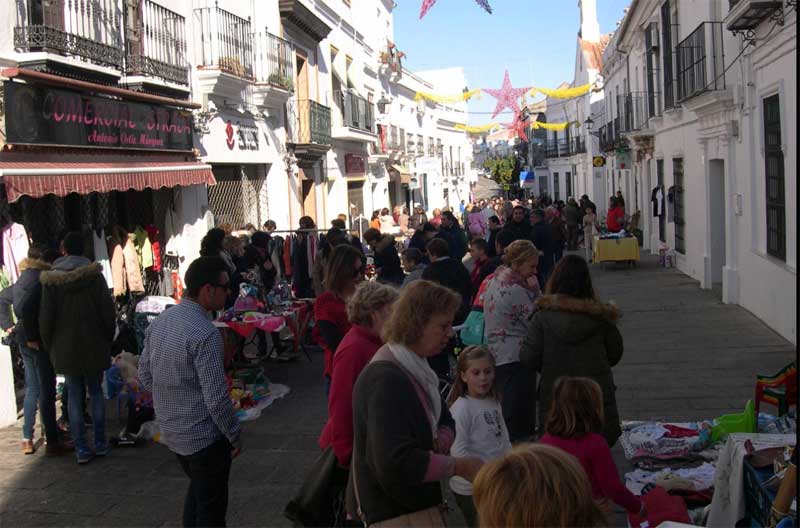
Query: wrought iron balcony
636,109
225,42
273,61
606,137
356,111
89,30
155,42
308,123
563,147
701,61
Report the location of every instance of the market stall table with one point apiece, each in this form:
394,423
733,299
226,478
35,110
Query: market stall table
295,316
616,250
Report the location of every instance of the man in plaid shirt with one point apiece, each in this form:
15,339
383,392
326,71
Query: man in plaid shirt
182,364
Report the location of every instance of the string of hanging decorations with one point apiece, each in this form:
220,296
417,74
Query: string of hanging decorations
427,4
478,129
562,93
446,99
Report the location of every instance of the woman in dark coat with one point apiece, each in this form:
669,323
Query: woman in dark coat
574,334
402,429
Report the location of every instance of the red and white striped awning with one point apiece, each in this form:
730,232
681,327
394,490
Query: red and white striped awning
37,178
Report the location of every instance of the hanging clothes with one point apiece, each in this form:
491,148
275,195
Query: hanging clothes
101,256
657,198
288,245
155,245
144,251
15,248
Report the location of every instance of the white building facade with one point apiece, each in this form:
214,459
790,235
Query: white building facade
699,123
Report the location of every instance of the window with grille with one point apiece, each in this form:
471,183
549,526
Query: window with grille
776,188
653,61
680,212
662,221
235,199
666,39
556,187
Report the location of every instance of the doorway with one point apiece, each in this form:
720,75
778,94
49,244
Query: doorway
716,206
309,196
303,105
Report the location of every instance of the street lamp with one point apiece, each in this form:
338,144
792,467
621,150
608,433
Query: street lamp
381,104
588,124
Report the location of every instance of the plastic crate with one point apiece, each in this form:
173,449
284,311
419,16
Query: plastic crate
758,498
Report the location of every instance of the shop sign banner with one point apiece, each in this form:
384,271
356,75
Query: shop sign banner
354,164
427,165
41,115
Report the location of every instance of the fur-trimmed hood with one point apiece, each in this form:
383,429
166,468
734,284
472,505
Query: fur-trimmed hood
565,303
33,264
76,276
574,320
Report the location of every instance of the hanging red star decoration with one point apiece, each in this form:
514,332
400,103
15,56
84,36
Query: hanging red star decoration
427,4
519,127
506,96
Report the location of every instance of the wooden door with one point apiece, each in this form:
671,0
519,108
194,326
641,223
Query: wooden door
303,105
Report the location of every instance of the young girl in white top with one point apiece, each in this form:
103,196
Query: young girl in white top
480,427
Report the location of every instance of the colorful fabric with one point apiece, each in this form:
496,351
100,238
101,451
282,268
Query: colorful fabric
562,93
508,306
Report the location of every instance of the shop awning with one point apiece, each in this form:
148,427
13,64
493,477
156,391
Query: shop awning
37,179
405,174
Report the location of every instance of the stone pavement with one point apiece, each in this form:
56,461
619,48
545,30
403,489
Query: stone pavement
687,356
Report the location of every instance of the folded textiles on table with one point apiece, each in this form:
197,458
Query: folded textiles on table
698,478
653,441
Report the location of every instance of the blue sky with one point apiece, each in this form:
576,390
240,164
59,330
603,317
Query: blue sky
533,39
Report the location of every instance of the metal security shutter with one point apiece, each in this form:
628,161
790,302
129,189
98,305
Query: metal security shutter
235,199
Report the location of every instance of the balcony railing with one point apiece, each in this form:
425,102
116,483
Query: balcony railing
87,29
701,61
563,147
356,111
636,109
606,137
273,61
308,122
156,42
225,42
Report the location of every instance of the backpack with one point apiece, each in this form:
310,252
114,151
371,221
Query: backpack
472,333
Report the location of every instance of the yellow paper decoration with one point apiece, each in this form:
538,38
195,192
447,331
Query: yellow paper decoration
564,93
476,129
552,126
445,99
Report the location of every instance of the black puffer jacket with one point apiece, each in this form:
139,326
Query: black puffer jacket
19,293
575,337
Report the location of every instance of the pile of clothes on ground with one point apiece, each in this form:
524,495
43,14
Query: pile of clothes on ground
251,392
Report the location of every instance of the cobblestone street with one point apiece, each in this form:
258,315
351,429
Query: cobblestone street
687,356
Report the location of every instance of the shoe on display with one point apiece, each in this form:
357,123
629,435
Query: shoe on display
27,447
84,455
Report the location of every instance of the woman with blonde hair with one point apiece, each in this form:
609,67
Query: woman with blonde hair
509,302
535,485
437,218
368,309
402,428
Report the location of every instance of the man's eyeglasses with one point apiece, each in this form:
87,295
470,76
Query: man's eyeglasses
226,287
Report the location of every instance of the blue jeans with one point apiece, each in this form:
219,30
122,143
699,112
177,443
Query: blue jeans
40,387
76,385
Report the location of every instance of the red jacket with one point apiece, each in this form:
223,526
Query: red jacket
353,354
616,219
329,307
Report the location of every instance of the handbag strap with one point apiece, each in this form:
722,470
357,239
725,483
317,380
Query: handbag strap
354,471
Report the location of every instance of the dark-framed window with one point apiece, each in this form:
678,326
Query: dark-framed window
652,65
662,220
556,187
680,211
568,180
776,183
666,53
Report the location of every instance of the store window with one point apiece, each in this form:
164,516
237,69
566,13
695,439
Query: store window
680,211
775,184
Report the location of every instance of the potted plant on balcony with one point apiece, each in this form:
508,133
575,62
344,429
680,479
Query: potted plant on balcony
281,81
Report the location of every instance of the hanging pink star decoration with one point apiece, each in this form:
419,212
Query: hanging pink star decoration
518,127
427,4
506,96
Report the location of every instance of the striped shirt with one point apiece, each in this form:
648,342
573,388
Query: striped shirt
182,364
